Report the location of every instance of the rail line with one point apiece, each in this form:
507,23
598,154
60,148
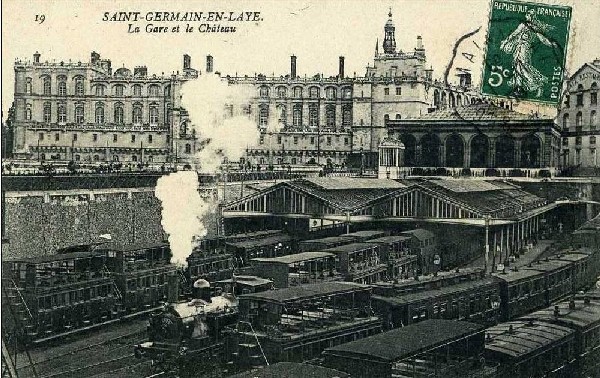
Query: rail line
119,345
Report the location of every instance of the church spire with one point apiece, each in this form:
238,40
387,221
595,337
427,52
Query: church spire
389,41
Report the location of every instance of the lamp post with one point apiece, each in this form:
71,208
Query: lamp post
487,242
362,161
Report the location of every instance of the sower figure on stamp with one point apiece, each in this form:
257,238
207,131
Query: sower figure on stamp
519,44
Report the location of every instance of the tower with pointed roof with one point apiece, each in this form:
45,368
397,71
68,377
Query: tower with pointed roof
389,41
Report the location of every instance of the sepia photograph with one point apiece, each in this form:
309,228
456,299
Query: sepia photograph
300,189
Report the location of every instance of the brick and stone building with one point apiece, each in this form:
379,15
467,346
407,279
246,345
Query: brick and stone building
578,118
89,112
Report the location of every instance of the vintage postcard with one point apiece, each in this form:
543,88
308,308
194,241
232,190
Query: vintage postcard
300,189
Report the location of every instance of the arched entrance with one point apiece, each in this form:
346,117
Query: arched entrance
430,150
410,149
436,98
480,146
530,151
505,152
455,151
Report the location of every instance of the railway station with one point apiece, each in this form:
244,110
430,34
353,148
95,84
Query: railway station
494,216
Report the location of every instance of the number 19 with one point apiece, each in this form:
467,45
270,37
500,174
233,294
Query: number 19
40,18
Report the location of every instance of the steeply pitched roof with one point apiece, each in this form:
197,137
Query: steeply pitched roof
346,193
344,183
485,196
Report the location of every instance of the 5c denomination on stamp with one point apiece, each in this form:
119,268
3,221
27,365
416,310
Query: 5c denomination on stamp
526,50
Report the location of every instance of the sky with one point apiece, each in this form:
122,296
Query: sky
317,32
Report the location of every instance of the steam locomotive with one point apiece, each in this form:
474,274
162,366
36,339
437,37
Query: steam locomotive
187,336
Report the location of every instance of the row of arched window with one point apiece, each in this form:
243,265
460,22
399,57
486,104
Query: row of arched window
99,113
98,89
387,117
136,90
313,115
443,99
134,158
78,86
298,92
566,121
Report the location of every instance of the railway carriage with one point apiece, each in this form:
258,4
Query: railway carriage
140,272
521,291
477,301
56,294
558,278
531,349
583,316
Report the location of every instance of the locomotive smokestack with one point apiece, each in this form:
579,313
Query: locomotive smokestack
293,66
341,68
172,287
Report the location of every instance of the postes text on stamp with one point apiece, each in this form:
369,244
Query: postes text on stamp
526,50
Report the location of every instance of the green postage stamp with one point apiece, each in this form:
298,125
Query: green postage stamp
526,51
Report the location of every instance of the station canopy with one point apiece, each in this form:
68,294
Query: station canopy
362,199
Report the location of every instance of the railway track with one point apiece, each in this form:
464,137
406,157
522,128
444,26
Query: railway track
107,355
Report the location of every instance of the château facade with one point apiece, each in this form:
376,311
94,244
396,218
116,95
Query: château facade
89,112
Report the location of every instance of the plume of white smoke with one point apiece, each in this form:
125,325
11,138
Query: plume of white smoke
215,112
182,209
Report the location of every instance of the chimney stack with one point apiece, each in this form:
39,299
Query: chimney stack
209,64
465,79
94,58
187,62
419,43
341,68
140,71
36,57
293,66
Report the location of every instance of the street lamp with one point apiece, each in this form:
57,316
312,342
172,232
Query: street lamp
362,161
487,241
